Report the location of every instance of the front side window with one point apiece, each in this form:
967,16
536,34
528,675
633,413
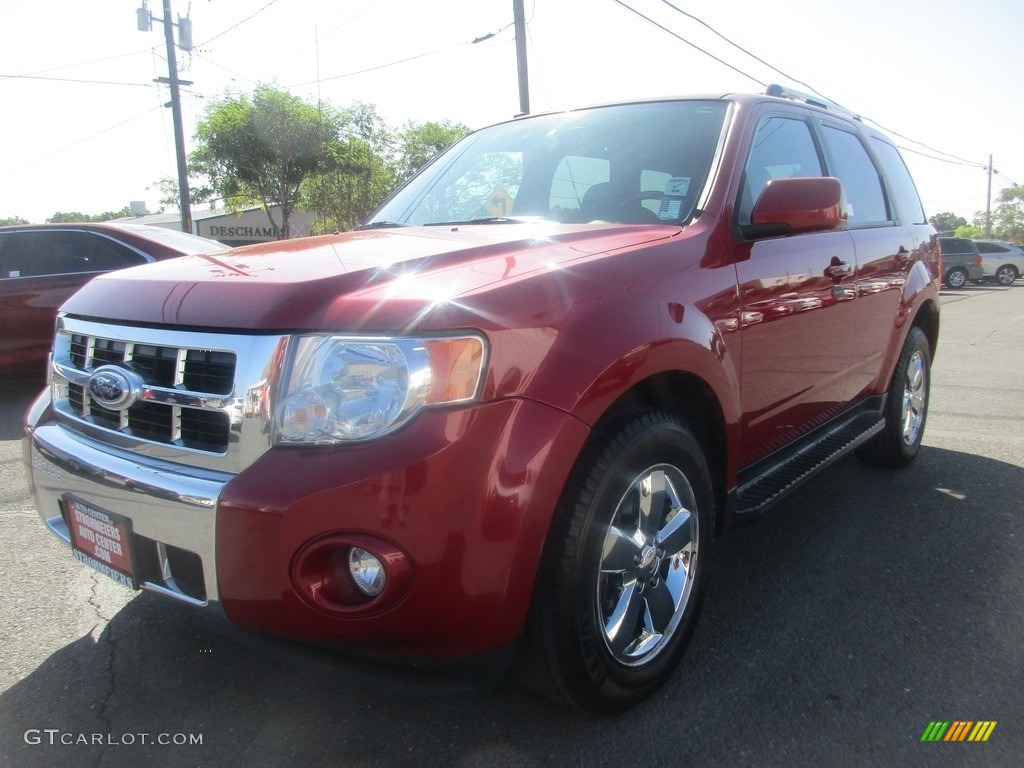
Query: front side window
628,163
782,148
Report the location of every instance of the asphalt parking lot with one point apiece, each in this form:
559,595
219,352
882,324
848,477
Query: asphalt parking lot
867,606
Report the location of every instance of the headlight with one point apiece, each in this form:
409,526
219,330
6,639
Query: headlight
345,388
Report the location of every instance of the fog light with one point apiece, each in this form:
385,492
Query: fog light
367,572
351,574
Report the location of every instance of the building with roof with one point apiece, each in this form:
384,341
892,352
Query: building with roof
244,227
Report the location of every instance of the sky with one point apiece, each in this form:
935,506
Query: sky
84,128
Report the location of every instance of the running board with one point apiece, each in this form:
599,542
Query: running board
766,489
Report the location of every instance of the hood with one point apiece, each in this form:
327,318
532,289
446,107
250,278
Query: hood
334,281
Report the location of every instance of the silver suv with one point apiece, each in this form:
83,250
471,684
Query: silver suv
1001,262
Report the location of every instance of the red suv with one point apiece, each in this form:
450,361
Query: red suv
508,416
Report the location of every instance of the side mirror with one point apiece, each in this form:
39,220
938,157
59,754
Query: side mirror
797,206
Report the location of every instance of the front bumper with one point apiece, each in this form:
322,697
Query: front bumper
467,494
172,508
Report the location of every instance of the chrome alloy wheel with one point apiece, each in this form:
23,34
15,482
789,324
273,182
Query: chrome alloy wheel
915,394
956,278
1006,274
648,564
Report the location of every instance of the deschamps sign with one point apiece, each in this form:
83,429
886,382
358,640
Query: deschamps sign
269,233
252,226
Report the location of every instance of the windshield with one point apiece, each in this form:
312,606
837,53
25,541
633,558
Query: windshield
630,164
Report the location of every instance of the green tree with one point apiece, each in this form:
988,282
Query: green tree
970,231
167,186
262,148
1008,216
72,217
13,220
947,222
418,143
358,175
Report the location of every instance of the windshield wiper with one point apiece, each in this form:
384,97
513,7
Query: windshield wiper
481,220
382,224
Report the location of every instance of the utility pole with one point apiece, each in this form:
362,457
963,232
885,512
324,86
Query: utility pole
185,34
524,84
988,202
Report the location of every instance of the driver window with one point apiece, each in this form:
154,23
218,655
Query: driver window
782,148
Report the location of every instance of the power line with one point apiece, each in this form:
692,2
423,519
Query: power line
74,80
81,141
236,25
381,66
82,64
956,160
692,45
741,48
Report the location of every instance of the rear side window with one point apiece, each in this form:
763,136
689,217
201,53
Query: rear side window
103,254
955,245
51,252
903,189
851,164
992,248
782,148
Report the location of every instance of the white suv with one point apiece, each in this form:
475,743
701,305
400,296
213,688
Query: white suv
1001,262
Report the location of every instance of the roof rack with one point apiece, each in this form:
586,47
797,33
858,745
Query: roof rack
792,94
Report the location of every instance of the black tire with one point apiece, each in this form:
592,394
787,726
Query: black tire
1006,274
906,407
619,590
956,277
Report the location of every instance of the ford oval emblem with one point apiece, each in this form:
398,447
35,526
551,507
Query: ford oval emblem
115,388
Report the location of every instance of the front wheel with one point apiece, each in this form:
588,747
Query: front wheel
906,407
623,572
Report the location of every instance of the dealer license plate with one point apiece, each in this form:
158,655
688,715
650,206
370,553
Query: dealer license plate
101,540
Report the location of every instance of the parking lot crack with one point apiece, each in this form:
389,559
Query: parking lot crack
103,637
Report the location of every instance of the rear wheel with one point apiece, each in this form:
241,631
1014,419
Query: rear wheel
906,407
956,277
623,573
1006,274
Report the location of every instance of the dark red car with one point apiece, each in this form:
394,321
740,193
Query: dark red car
41,265
507,417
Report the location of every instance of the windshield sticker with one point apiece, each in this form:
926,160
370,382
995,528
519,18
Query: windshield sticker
678,185
670,209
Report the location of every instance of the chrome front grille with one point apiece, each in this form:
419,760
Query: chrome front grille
195,373
206,396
